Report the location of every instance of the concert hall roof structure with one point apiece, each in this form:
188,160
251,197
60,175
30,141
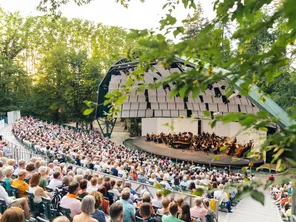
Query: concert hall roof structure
158,103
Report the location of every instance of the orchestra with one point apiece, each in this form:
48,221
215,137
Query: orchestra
206,142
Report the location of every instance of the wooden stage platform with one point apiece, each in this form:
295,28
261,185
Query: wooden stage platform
199,157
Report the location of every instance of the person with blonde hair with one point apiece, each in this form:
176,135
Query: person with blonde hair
20,183
13,214
87,208
98,214
61,219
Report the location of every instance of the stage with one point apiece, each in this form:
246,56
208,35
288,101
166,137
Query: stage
188,155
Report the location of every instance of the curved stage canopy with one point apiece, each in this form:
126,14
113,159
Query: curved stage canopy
199,157
157,103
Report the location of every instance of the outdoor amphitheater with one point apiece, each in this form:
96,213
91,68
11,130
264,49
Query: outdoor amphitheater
147,111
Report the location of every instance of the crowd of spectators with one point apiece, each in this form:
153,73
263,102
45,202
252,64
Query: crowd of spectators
282,196
202,142
89,195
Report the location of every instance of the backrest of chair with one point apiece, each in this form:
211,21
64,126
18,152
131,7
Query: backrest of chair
46,207
40,219
3,184
139,219
15,191
3,205
198,219
30,199
65,212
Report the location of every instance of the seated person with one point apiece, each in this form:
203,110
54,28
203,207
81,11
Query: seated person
11,201
200,209
145,213
35,189
20,183
165,206
172,217
70,201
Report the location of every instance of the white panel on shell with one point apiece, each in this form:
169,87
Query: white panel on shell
172,106
133,99
148,78
158,113
194,114
163,106
141,113
126,106
133,113
125,113
202,107
174,113
161,92
249,109
223,108
152,99
152,92
122,73
183,113
217,100
189,106
142,105
248,101
180,105
141,98
161,99
244,100
233,108
207,99
166,113
237,100
179,99
232,101
213,107
255,109
196,107
175,70
170,100
243,108
149,112
210,92
134,106
154,105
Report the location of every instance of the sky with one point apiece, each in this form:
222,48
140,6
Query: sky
137,16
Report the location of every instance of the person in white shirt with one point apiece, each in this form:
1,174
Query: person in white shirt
93,186
221,196
156,202
166,183
56,181
21,166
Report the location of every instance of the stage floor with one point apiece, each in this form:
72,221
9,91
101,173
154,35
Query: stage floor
189,155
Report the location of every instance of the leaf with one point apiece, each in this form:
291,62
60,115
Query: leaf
258,196
244,169
216,158
121,99
88,111
158,186
291,161
165,192
278,164
222,148
207,113
87,102
185,3
199,192
277,155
